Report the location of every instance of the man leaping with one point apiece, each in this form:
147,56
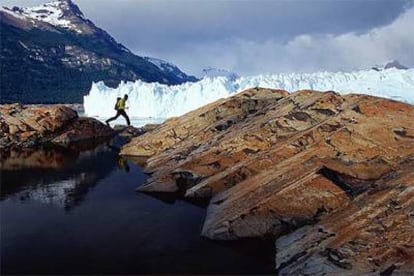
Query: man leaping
120,110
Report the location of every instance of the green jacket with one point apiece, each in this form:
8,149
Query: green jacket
121,104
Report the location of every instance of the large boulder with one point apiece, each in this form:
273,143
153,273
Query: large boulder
30,126
273,162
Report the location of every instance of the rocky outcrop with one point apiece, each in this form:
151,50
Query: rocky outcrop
373,233
274,162
31,126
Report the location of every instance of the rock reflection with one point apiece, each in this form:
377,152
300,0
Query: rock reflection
58,176
44,158
139,160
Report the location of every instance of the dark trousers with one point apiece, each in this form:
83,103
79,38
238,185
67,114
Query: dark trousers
120,112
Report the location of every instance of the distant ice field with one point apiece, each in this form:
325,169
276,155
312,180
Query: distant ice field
153,102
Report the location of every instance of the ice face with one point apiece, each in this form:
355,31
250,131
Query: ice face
156,100
162,101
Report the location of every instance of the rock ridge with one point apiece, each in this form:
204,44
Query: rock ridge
273,162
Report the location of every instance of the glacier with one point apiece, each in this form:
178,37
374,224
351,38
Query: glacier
159,101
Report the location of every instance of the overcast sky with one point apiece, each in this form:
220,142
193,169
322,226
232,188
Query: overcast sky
259,36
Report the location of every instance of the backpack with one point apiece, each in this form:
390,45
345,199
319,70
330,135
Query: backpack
117,102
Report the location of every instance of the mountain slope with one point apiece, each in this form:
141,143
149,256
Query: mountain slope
52,53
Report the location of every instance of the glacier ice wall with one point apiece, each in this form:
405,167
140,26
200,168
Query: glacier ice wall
163,101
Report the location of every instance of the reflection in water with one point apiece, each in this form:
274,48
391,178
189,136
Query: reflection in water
112,230
172,198
53,158
64,194
139,160
57,176
123,164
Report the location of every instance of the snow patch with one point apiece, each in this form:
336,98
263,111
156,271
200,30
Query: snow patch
162,64
166,67
13,13
51,13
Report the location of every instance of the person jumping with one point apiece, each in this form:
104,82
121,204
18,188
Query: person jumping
120,110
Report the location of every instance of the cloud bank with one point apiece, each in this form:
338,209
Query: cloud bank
305,52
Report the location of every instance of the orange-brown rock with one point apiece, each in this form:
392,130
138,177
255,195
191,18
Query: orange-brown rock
373,234
273,162
30,126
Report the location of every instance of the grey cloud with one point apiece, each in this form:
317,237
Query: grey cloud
308,53
181,21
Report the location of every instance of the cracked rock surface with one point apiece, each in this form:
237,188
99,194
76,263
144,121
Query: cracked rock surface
336,168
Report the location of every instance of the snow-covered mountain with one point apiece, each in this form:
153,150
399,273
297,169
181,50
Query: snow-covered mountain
58,13
52,53
170,68
391,64
211,72
162,101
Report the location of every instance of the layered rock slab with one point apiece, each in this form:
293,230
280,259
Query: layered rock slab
273,162
373,234
30,126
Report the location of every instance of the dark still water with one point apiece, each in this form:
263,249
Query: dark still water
75,211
